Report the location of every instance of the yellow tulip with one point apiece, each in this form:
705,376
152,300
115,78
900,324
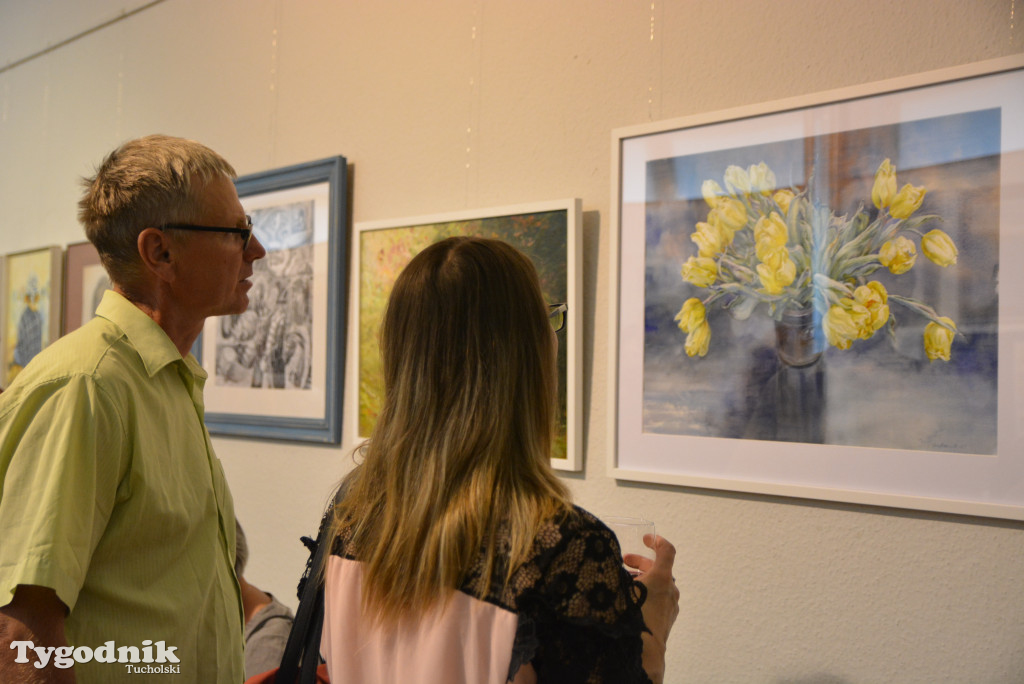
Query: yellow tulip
846,322
898,255
698,340
730,214
777,271
762,179
874,298
712,192
939,247
840,330
711,240
859,315
907,201
783,198
691,315
884,189
775,257
700,271
737,180
770,233
937,339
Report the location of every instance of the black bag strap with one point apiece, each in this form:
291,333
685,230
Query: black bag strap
304,637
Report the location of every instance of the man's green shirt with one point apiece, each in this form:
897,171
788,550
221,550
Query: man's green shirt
111,495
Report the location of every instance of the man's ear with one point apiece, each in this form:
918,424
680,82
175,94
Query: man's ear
157,253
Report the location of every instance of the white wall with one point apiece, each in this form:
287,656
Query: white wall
455,104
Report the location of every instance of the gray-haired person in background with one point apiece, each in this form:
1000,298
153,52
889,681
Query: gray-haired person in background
267,620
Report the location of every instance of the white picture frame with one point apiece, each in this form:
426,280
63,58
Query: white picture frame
931,474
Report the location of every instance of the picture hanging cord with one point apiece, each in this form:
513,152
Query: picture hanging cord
655,62
472,176
119,117
275,39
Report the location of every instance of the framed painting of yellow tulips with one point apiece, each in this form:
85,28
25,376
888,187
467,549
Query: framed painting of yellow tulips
546,232
820,297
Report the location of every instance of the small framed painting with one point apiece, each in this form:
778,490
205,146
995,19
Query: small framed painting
31,291
85,281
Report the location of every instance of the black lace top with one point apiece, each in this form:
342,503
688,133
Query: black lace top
579,610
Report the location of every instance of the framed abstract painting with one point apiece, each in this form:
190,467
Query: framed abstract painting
816,297
548,233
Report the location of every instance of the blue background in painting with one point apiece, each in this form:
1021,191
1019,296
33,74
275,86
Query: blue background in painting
883,392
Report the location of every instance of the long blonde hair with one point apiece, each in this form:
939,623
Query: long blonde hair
461,447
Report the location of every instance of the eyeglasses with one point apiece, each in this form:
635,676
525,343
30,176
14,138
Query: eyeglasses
246,232
556,312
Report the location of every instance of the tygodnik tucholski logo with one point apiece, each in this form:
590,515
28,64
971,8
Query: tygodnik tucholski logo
63,657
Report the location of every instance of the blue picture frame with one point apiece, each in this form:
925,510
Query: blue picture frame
256,389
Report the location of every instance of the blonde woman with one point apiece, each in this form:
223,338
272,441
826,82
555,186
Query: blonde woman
456,553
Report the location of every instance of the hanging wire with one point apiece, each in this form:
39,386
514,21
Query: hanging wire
655,61
274,94
1013,7
119,118
474,104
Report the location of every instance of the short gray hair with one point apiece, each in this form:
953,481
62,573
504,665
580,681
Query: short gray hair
144,183
241,549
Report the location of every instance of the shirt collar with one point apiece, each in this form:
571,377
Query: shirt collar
150,341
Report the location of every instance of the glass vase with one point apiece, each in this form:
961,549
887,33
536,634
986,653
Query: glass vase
799,339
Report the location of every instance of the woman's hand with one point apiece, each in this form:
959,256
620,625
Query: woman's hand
662,605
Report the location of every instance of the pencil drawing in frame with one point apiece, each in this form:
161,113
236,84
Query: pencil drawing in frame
31,290
547,232
810,296
277,370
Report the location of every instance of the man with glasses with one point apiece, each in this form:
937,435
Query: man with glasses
116,522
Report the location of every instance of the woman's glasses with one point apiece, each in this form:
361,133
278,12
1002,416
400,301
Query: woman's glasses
556,312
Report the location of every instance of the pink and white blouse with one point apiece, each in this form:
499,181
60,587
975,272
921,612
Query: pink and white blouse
571,611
